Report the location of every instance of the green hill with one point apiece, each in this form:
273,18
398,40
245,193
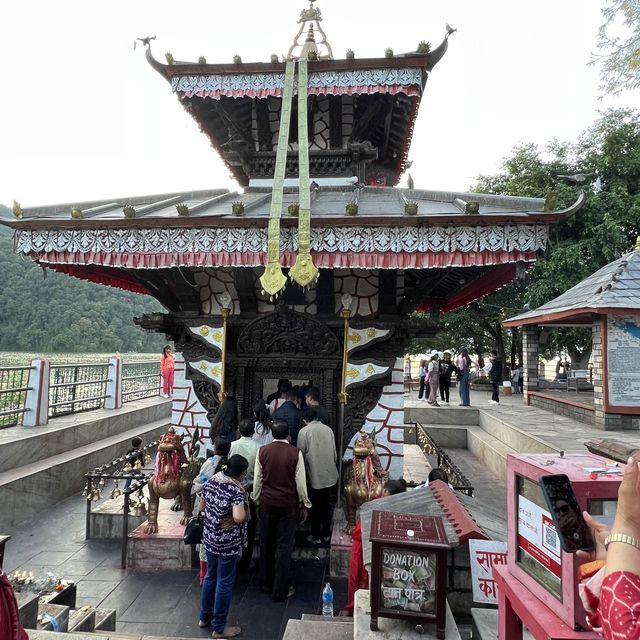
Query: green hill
45,311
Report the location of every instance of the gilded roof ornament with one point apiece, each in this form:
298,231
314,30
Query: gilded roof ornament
312,13
309,48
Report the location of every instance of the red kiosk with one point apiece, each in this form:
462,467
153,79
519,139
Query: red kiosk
538,587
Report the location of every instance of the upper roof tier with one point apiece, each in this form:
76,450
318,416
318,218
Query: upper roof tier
361,113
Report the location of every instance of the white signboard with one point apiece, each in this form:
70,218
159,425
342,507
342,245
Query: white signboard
623,360
483,555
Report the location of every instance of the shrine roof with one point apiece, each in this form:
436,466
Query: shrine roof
213,208
613,289
424,501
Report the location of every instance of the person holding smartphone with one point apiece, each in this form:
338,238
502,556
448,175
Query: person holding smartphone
612,595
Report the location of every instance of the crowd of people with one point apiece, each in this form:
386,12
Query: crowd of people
268,473
435,375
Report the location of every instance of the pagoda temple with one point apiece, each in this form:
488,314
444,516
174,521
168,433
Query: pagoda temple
313,269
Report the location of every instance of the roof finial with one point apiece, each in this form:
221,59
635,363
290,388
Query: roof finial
313,17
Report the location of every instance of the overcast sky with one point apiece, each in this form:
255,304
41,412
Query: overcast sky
85,117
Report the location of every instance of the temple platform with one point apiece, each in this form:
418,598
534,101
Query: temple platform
492,431
162,550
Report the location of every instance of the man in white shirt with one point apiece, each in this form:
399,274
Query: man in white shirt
318,446
247,447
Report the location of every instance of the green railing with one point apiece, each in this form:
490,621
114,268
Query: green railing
14,384
140,380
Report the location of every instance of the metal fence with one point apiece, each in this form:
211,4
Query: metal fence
140,380
77,387
13,392
458,480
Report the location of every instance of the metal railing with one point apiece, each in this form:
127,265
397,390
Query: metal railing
77,387
134,480
140,380
14,384
458,480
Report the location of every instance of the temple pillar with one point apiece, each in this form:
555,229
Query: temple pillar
37,397
597,355
114,384
530,357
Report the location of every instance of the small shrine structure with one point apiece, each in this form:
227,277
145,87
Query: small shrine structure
609,302
314,269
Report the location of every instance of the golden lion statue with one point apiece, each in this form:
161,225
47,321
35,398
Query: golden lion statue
367,480
169,479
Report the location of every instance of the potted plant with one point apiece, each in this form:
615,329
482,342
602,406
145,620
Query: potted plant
472,208
17,210
129,211
351,208
388,53
411,208
350,54
182,209
294,208
237,208
424,47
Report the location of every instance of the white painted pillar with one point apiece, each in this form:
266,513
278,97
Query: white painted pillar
37,400
114,386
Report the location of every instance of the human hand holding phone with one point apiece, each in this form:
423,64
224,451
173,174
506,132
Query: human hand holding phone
570,525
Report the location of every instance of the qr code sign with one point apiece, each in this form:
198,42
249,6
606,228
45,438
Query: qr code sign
549,536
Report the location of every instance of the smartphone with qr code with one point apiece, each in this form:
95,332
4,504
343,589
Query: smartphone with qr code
572,530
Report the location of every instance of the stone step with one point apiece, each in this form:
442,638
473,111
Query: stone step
42,634
27,609
82,619
391,629
447,436
450,415
489,450
25,491
517,439
316,617
53,617
20,445
318,630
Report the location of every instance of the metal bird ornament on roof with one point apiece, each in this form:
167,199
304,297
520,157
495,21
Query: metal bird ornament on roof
578,178
145,41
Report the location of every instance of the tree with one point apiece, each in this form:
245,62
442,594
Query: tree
45,311
605,228
619,54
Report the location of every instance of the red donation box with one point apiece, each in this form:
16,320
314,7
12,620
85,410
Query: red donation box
534,556
408,569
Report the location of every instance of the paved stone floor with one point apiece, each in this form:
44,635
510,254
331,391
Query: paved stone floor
153,602
562,432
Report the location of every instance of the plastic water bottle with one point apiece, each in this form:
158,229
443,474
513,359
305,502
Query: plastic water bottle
327,601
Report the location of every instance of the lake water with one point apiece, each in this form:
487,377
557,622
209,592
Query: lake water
21,358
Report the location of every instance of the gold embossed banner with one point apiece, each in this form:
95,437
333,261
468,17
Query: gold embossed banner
273,280
304,272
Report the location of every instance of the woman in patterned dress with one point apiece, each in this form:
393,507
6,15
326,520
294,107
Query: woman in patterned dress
224,536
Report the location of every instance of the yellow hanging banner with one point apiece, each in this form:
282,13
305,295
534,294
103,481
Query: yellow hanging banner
304,272
273,280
